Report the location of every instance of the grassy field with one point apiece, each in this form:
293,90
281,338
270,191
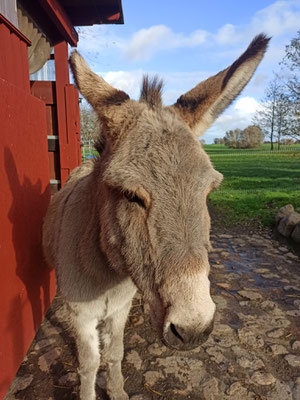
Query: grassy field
256,182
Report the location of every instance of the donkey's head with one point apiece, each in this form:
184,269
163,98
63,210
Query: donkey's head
152,182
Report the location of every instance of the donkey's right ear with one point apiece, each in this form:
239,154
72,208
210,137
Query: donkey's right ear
201,106
104,98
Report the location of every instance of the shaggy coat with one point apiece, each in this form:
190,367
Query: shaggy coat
136,217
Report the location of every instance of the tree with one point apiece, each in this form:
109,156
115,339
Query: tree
89,124
287,142
275,116
219,141
232,138
251,137
284,118
291,61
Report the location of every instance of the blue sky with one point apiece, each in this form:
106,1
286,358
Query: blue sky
186,42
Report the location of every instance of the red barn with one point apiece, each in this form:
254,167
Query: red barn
40,145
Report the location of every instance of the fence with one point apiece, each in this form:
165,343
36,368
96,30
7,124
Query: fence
217,149
87,149
257,171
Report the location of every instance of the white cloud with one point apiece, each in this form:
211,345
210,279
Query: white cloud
278,18
246,105
145,42
226,34
128,81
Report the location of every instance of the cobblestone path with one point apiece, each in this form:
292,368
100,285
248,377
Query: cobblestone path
253,352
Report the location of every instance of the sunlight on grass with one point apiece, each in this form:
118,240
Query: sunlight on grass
256,184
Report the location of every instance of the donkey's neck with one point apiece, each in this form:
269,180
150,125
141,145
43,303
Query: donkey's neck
91,237
80,250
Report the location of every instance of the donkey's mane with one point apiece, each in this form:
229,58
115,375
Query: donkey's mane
151,91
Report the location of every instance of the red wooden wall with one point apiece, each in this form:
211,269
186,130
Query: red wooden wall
27,285
14,63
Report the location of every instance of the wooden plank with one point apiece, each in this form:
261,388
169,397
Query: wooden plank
4,43
61,20
54,166
70,150
62,78
44,90
7,61
13,29
27,285
73,127
25,66
16,66
77,125
51,114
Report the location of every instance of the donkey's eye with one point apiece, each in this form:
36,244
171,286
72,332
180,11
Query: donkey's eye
133,198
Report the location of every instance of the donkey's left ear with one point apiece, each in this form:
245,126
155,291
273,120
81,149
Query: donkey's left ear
201,106
110,104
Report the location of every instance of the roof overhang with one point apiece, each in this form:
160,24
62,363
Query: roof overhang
58,18
92,12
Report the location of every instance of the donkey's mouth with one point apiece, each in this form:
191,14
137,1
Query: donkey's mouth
174,340
184,339
179,347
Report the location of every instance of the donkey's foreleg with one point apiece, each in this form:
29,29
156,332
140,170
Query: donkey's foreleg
87,339
113,351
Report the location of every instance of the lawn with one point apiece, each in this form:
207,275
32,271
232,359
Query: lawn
256,182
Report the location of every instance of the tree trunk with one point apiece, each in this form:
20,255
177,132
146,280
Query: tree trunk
272,127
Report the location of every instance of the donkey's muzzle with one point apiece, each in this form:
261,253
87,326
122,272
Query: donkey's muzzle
180,338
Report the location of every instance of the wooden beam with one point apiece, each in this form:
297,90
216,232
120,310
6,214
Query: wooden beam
82,14
61,20
14,30
62,78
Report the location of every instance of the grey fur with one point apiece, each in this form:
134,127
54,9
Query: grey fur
137,218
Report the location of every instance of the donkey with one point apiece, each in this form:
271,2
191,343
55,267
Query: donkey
136,217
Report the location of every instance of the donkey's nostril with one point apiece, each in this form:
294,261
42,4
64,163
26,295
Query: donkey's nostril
175,333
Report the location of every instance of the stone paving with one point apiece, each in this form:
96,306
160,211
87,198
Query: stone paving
253,352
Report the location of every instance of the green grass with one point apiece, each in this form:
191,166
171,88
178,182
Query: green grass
256,182
222,149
